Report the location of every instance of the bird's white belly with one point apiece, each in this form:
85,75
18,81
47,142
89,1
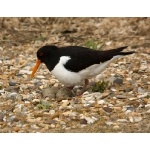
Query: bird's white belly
66,77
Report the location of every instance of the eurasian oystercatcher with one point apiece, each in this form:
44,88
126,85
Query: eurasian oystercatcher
73,65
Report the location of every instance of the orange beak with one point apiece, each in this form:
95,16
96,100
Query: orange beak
35,68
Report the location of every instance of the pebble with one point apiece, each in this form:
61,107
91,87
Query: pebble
113,89
40,77
2,91
116,127
53,125
141,91
52,112
91,98
122,120
36,100
143,95
25,72
1,117
90,120
128,111
137,119
118,81
12,95
131,119
109,122
63,93
148,111
12,83
49,92
83,121
121,96
101,102
107,109
130,108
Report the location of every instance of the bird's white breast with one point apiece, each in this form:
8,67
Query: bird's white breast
68,78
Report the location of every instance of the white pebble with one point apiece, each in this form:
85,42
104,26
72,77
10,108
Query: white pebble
25,72
101,102
148,105
148,111
109,122
131,119
90,120
137,119
122,120
40,77
2,91
52,112
36,100
89,98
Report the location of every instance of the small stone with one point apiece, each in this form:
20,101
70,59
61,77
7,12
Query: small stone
116,127
2,91
1,116
130,108
131,119
142,95
113,89
137,119
101,102
91,98
49,92
107,109
129,79
25,72
90,120
12,83
108,43
67,113
118,81
128,111
52,112
13,95
40,77
109,123
63,93
51,121
121,96
141,91
36,100
62,122
53,125
76,101
122,120
148,111
65,104
83,121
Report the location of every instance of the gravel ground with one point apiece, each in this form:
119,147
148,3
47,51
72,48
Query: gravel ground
44,105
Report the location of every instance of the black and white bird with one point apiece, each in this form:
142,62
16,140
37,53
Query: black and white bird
73,65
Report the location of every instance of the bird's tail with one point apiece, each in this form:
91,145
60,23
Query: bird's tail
118,51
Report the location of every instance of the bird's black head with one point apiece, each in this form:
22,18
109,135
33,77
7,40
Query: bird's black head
46,52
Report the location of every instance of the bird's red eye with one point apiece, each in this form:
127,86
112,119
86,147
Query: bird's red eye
40,54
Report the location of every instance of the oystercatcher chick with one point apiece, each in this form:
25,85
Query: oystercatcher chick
73,65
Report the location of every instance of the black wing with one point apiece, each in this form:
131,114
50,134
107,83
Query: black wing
82,57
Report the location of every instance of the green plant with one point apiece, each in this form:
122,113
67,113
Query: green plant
93,44
100,86
40,38
43,105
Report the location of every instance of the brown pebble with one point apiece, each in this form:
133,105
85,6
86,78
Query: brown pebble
107,109
83,121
